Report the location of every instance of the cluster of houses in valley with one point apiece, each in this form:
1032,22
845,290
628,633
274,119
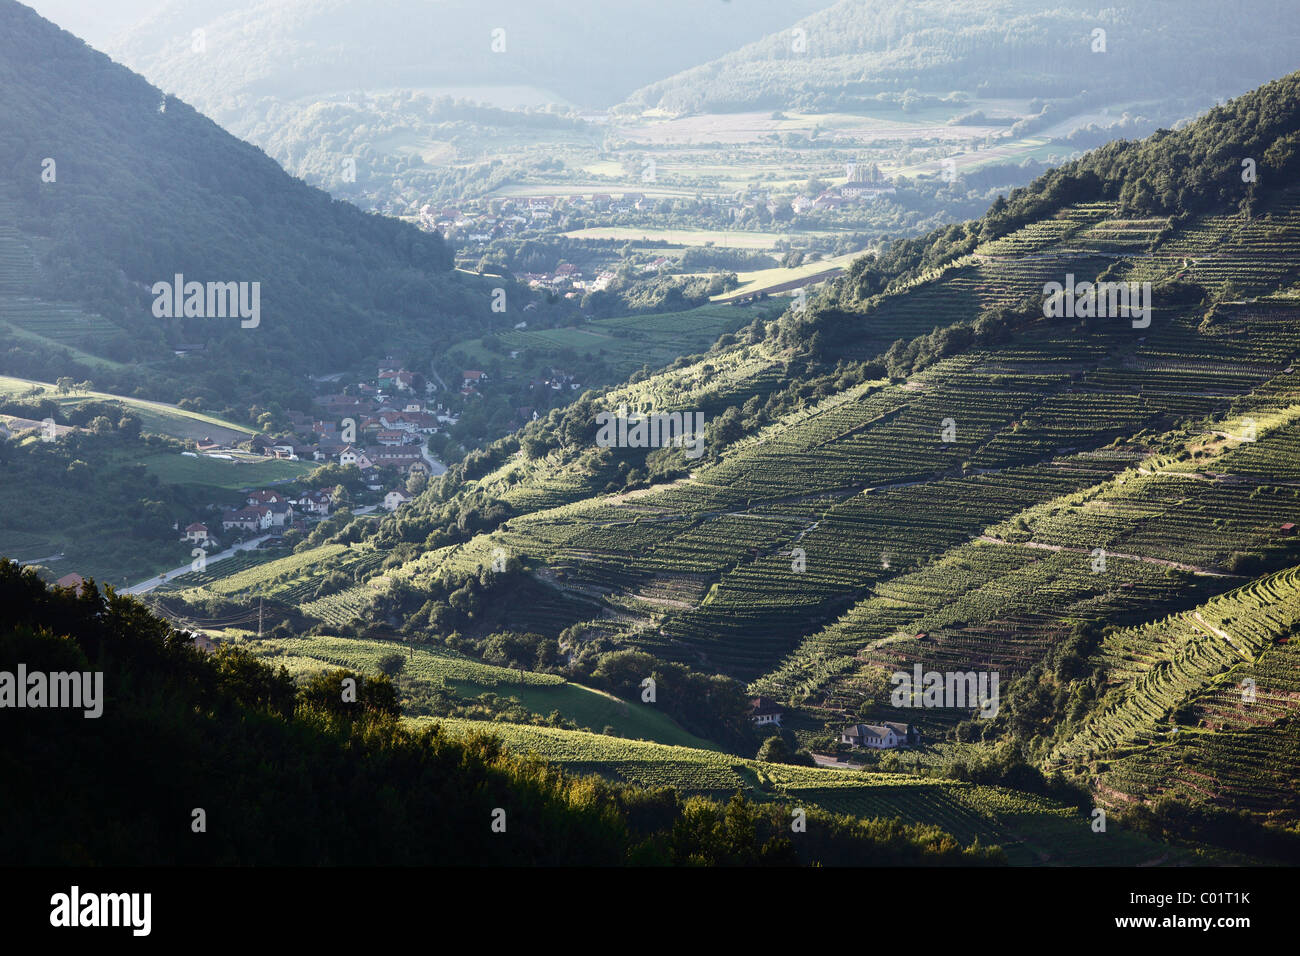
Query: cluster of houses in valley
837,197
569,281
481,221
385,424
274,512
886,735
263,512
382,431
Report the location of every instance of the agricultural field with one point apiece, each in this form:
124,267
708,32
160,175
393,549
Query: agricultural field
624,344
764,279
231,475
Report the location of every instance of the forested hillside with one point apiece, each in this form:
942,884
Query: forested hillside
924,468
861,52
110,186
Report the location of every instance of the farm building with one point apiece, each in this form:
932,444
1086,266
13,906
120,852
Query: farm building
882,736
764,712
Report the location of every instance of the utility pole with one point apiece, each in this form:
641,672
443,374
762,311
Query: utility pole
259,619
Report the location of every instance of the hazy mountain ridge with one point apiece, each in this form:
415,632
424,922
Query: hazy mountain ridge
850,53
584,51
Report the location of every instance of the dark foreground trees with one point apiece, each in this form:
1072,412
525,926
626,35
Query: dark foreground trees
327,773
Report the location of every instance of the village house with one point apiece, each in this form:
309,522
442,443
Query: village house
314,502
328,448
828,200
404,460
422,422
281,514
252,518
352,456
395,499
764,712
197,533
883,736
338,403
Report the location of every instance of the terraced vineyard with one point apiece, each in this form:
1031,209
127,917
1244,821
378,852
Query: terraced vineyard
83,334
966,504
926,469
1203,703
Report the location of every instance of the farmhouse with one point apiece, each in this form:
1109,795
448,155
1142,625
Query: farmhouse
404,460
281,514
764,712
351,456
882,736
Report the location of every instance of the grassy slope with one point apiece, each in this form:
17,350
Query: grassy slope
540,693
158,417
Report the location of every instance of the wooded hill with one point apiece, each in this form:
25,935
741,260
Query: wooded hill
110,186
